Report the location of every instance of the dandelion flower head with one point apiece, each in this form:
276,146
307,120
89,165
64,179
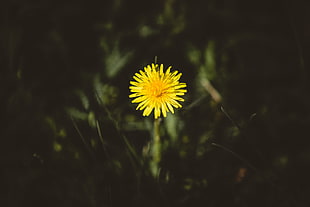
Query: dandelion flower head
157,89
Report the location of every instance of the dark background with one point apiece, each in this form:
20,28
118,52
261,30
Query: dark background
71,137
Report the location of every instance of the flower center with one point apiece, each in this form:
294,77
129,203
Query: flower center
157,89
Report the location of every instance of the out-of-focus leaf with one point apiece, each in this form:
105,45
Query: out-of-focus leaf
57,146
77,114
194,55
115,60
210,64
105,93
171,123
92,119
83,98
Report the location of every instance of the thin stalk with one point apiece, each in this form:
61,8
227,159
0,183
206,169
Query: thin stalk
156,140
156,148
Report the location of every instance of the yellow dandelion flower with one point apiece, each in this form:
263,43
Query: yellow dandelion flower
155,89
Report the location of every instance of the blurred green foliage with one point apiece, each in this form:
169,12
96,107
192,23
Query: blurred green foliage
71,137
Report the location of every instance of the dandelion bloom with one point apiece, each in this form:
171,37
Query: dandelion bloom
155,89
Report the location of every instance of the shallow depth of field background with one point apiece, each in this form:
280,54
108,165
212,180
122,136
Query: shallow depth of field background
71,137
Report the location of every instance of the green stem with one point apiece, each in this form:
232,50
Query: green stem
156,141
156,148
